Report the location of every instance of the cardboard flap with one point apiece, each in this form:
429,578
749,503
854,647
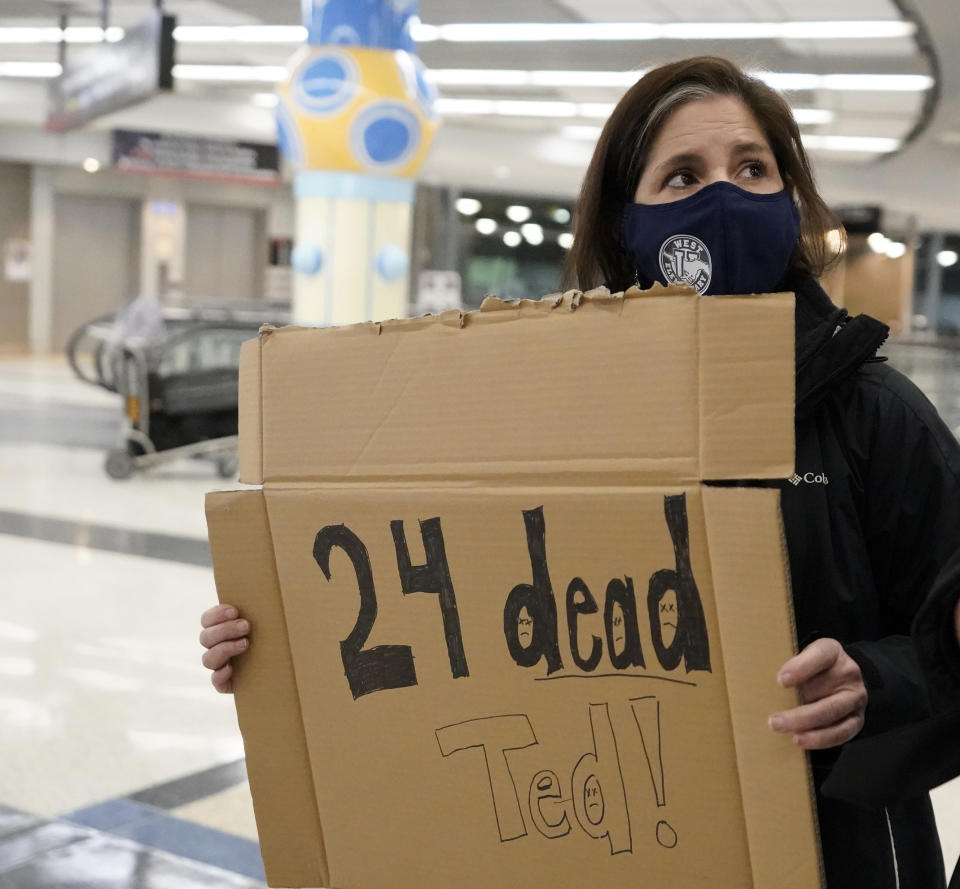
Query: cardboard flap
250,448
753,602
747,382
268,707
603,389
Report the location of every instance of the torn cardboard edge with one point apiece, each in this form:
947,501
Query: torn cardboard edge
723,411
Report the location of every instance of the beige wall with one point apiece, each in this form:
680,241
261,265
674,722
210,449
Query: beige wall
14,223
55,304
873,284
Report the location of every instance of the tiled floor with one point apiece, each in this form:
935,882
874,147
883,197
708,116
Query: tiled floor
120,768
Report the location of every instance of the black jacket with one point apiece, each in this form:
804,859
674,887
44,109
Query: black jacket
871,517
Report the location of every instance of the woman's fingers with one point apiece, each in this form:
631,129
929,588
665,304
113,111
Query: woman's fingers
820,714
217,615
831,736
231,629
818,657
223,679
219,655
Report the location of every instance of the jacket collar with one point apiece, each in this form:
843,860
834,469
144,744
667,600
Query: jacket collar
830,345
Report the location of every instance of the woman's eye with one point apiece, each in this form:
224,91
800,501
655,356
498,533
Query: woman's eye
679,179
755,170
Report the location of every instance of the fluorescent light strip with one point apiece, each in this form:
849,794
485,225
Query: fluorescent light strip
56,35
505,32
231,73
520,77
480,77
812,116
599,110
30,69
240,34
523,108
867,144
538,32
785,81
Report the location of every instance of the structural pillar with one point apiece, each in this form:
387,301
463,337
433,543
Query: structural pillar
355,120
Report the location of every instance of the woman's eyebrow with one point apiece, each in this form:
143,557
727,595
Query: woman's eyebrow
751,148
679,160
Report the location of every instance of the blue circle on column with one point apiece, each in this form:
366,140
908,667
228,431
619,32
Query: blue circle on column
392,263
385,134
344,35
306,258
326,83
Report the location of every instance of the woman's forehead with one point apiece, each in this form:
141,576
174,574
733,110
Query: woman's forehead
718,119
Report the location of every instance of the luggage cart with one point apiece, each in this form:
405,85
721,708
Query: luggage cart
179,400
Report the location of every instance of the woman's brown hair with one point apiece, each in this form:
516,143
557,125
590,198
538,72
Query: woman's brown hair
597,256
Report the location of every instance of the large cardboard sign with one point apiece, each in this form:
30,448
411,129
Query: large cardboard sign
504,634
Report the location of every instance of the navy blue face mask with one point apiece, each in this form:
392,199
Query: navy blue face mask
720,240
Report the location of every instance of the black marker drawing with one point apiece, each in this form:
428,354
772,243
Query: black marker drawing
494,734
646,713
687,629
580,601
620,617
433,577
538,600
616,676
599,795
372,669
548,809
525,628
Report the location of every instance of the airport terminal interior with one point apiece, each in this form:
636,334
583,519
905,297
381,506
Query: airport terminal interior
171,180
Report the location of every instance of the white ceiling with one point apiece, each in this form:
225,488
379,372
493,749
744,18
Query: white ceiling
530,155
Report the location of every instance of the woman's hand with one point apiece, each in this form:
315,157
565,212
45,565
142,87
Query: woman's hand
224,635
831,685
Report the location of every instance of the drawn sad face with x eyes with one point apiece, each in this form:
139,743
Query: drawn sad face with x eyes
593,800
668,618
525,627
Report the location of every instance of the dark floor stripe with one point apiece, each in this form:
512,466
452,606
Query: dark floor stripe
158,830
190,788
189,550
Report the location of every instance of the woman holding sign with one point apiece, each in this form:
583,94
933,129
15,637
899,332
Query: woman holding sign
700,177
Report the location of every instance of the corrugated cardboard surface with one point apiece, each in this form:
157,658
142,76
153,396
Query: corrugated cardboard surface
559,446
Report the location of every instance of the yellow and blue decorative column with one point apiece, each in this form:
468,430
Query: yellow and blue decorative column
355,119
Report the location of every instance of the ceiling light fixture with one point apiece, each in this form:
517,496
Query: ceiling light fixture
231,73
518,213
485,225
512,238
30,69
56,35
810,116
538,32
786,81
502,32
532,233
868,144
240,34
468,206
947,258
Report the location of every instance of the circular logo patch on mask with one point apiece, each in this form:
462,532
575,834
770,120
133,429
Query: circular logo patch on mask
685,259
